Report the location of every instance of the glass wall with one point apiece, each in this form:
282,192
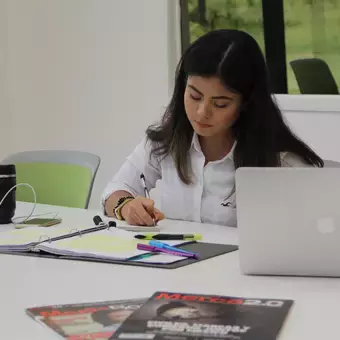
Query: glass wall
310,43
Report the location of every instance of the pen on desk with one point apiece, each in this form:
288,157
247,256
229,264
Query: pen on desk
163,245
147,194
148,247
168,236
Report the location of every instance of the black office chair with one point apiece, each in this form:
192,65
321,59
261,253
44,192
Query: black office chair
314,76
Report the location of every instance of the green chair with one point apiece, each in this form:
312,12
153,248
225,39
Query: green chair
59,177
314,76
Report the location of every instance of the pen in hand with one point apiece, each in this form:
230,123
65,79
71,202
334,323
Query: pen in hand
147,195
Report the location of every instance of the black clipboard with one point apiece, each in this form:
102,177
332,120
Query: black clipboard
206,251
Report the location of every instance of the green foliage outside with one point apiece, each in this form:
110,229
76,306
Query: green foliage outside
312,27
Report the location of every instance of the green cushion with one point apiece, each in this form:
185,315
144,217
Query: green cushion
56,184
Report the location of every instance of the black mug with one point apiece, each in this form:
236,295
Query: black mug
7,181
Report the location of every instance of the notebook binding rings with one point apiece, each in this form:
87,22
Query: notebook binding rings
103,224
76,231
44,238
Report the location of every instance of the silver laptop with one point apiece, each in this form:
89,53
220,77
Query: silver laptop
288,221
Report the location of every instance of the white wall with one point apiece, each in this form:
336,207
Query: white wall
87,75
5,118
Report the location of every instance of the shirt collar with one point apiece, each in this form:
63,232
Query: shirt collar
195,144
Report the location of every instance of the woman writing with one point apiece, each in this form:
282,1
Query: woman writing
221,117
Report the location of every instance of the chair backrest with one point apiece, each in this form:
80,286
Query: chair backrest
59,177
314,76
331,164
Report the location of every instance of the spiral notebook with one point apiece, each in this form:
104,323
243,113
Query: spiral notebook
99,243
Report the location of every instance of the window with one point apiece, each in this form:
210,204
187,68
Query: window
300,38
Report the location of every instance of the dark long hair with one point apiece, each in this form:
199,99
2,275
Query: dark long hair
261,133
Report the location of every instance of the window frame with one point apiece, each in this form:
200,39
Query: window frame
286,101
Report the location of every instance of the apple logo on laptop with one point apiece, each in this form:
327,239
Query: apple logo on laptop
326,225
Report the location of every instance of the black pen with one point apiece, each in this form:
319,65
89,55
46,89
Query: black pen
147,194
169,236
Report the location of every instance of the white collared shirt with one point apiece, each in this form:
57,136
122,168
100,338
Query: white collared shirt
209,199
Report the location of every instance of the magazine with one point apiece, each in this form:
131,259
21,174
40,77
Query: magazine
177,316
85,321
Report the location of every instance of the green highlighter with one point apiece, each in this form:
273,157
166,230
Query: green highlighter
169,236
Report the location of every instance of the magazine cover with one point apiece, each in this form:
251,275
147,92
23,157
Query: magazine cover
176,316
85,321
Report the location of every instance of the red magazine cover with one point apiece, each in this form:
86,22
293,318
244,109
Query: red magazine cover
85,321
181,316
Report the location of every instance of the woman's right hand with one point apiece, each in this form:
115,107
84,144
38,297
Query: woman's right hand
140,211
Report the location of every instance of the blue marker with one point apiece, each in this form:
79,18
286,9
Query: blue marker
167,246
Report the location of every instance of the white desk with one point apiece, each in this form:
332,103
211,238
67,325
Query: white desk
27,282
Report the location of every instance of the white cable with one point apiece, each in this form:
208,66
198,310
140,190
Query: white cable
36,215
34,196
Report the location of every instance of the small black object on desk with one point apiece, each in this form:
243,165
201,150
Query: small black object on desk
98,221
8,189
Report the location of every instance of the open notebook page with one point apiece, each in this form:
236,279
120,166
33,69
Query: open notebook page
23,239
112,244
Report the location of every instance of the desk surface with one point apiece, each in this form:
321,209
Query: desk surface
28,282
